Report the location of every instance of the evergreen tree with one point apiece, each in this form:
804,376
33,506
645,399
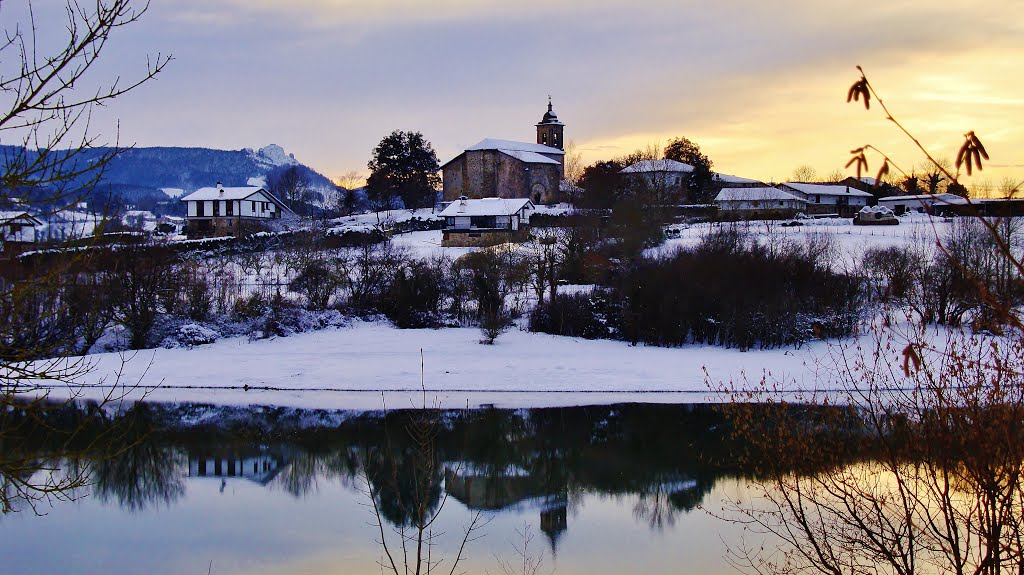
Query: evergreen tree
404,166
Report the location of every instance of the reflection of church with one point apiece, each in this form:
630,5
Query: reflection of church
511,488
506,169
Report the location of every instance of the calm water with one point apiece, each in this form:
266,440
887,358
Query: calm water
600,489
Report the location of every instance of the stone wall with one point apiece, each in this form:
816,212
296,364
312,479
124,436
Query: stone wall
482,238
490,173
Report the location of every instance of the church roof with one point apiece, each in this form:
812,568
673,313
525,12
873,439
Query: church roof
550,117
509,145
529,157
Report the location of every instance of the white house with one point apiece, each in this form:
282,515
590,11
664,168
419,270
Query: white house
928,203
17,232
760,201
667,174
224,211
18,227
486,221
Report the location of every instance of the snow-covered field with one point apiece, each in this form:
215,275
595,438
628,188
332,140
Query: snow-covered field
370,365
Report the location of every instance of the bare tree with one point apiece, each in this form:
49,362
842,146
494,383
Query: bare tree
48,92
43,102
573,163
920,470
804,173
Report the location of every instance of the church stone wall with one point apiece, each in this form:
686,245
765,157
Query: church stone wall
490,173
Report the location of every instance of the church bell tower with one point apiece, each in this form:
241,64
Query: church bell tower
550,130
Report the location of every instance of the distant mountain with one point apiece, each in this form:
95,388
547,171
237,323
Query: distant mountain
150,175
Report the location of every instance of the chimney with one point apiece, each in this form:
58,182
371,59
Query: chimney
220,187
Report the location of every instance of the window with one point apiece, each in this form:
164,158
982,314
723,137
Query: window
483,221
544,139
231,208
216,208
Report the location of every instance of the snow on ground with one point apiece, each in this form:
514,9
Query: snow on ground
852,240
370,365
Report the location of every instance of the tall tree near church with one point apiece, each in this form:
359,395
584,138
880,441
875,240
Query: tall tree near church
404,166
699,186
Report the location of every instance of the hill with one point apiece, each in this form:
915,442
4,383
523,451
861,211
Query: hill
144,177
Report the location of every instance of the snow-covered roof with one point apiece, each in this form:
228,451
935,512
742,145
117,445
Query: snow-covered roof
952,199
509,145
827,189
755,195
11,216
221,193
646,166
486,207
730,179
529,157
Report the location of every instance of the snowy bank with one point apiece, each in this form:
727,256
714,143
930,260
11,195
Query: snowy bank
370,366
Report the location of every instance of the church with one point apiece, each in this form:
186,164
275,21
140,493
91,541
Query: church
507,169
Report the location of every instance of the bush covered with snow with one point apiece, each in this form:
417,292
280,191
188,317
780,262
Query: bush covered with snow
193,334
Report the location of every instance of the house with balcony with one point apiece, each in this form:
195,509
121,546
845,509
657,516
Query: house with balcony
221,211
486,221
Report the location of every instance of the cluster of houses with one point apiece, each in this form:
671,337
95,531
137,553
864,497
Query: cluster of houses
492,188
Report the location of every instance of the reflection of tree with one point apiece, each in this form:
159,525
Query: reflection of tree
299,475
145,474
403,481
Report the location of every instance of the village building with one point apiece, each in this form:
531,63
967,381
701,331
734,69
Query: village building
662,175
926,203
508,169
670,178
224,211
486,221
759,202
17,232
840,199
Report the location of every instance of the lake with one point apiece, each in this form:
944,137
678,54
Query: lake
602,489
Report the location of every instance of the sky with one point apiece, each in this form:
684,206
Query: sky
761,86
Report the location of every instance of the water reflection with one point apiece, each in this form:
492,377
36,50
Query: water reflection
668,457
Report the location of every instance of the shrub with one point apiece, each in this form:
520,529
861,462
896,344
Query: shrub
573,315
318,283
250,307
733,292
414,295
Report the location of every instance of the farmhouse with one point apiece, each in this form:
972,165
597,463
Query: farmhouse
17,232
507,169
224,211
486,222
840,199
739,203
658,174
